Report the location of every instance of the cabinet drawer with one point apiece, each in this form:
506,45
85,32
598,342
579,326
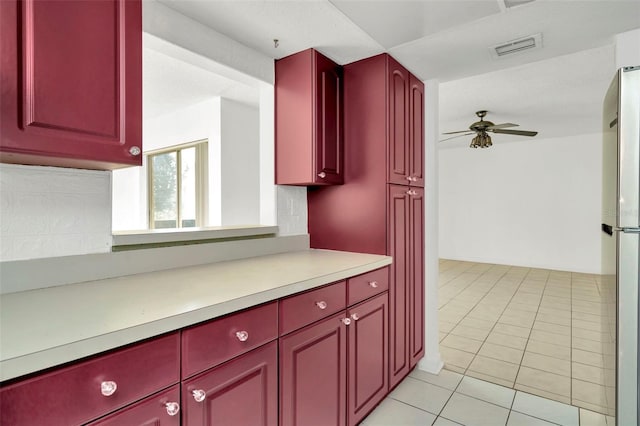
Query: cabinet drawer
74,394
161,409
305,308
366,285
217,341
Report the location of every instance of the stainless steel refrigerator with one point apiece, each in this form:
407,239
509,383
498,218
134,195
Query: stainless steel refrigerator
621,243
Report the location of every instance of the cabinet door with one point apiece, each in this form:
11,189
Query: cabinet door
416,285
398,240
368,380
313,371
416,131
243,391
71,82
162,409
308,120
328,121
398,116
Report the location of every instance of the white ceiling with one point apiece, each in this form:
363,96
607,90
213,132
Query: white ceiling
554,90
170,84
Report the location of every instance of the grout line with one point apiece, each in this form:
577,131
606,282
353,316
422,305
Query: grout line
524,351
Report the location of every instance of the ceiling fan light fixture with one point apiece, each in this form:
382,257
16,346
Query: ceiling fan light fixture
483,140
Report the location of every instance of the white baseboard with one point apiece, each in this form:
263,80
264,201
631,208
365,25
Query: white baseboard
431,363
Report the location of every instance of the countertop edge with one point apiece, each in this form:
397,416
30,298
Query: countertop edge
18,366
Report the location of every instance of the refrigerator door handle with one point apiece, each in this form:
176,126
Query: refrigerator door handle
629,230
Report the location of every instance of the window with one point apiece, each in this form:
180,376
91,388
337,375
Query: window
177,177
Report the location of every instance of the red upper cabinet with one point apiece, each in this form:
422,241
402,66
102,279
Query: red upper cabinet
398,110
416,131
308,127
406,126
71,83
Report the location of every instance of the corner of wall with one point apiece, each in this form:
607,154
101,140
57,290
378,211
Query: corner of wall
627,49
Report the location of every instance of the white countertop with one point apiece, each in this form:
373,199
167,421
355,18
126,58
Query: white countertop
50,326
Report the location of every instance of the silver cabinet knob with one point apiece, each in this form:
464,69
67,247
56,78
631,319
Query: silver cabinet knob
346,321
172,408
412,192
322,175
409,178
135,151
322,304
199,395
355,317
242,335
373,284
108,388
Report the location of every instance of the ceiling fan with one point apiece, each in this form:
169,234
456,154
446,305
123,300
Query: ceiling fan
480,128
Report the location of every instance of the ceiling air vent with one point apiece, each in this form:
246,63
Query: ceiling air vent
515,46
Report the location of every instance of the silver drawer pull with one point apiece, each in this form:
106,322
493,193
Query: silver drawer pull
373,284
242,335
172,408
322,304
199,395
108,388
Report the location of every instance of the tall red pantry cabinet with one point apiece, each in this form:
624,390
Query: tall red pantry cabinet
71,87
379,209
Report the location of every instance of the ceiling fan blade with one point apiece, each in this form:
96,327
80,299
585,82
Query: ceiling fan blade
502,126
459,131
513,132
457,136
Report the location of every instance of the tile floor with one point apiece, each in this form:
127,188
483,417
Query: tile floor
548,333
450,398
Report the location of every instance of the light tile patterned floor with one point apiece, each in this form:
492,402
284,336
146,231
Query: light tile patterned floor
450,398
548,333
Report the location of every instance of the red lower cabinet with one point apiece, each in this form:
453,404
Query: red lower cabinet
93,388
335,371
368,356
313,365
162,409
241,392
328,367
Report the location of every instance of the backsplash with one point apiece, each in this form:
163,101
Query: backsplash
48,211
292,210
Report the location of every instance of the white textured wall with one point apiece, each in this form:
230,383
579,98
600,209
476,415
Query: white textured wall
47,211
240,153
531,203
